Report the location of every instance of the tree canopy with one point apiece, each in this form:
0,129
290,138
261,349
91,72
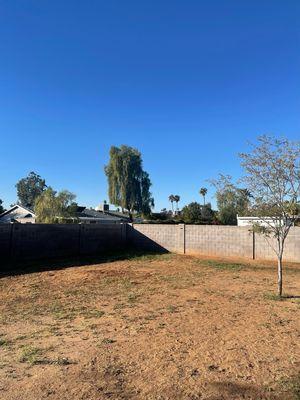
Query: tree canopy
29,188
52,207
231,200
128,184
272,174
196,213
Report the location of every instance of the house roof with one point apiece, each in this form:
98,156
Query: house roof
88,213
117,214
82,212
28,210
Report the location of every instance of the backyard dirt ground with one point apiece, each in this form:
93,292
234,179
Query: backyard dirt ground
150,327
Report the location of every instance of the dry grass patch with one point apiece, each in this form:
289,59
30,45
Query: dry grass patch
151,327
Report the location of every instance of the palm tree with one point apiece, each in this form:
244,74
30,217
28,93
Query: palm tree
172,199
176,199
203,192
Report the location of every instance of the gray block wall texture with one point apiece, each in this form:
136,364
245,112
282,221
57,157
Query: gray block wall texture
156,237
219,240
224,241
291,250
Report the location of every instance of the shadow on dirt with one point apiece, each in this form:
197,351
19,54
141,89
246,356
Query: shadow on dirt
29,267
227,390
136,245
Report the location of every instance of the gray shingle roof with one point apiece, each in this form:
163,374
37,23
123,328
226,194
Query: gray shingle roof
87,213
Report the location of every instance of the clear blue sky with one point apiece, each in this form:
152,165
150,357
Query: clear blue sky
186,82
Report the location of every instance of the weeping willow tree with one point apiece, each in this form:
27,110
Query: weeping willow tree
54,208
128,184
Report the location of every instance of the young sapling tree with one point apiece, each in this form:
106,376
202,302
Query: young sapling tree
273,178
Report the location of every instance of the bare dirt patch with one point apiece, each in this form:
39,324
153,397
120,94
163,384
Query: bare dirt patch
152,327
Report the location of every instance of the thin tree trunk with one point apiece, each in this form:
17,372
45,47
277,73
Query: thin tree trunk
204,200
279,275
280,242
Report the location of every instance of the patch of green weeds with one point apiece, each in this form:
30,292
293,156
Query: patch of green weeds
121,283
4,342
30,354
152,257
60,312
273,296
224,266
291,386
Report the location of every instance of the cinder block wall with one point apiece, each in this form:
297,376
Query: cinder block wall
37,241
291,250
219,241
225,241
156,237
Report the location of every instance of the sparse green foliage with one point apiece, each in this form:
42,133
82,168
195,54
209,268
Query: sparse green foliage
222,265
52,207
231,200
128,184
30,354
272,296
291,385
273,177
29,189
4,342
